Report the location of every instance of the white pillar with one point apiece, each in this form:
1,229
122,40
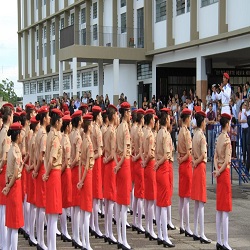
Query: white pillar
116,74
154,79
100,76
74,77
201,79
60,78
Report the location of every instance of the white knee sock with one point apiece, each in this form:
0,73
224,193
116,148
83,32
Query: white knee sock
8,238
3,228
158,222
86,229
41,228
169,210
139,209
146,215
14,239
118,222
64,226
186,215
51,234
124,222
150,218
201,219
27,215
82,228
132,198
196,215
181,205
164,219
225,216
106,216
32,223
95,213
76,225
135,211
219,226
109,220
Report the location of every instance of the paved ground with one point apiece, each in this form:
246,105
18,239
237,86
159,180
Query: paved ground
238,223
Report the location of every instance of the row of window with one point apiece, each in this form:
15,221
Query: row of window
44,49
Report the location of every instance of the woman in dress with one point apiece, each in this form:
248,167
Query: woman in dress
5,141
52,176
199,189
185,171
13,188
85,184
222,160
123,174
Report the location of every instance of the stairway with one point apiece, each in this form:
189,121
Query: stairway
241,171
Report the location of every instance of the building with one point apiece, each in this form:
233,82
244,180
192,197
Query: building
138,47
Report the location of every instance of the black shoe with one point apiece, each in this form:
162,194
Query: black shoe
219,246
77,246
159,241
111,241
114,221
45,227
182,231
73,243
31,243
58,235
166,244
128,226
146,234
195,237
25,235
139,231
151,237
125,248
102,216
131,212
98,236
205,241
225,248
83,248
69,218
39,247
92,232
20,231
119,245
65,239
134,228
154,221
105,238
143,216
171,228
187,234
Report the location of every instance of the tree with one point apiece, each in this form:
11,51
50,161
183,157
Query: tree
7,91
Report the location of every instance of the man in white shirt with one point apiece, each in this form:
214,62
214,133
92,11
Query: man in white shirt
190,104
225,94
214,100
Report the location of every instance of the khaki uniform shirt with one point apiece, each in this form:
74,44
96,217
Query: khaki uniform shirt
223,148
14,161
5,142
96,138
148,143
199,145
184,141
66,148
40,142
138,140
132,134
76,143
23,143
123,140
104,129
109,140
87,155
32,149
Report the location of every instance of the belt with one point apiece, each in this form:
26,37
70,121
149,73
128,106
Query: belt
225,105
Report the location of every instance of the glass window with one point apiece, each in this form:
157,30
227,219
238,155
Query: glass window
144,70
188,5
62,22
160,10
55,96
78,80
45,50
95,36
53,29
140,28
47,98
37,35
83,15
40,99
123,3
37,52
40,87
123,23
207,2
26,88
94,10
180,7
56,84
44,2
86,79
72,19
48,86
83,37
66,82
53,47
33,88
44,31
95,78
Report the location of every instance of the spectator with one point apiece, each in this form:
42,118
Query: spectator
77,103
190,105
173,130
239,90
145,103
233,137
244,92
159,104
84,99
118,105
214,100
193,124
232,106
72,107
102,103
107,101
238,102
135,106
184,96
208,98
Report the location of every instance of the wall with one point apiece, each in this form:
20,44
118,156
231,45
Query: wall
181,31
160,35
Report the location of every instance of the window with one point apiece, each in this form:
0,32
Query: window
123,3
94,10
37,35
53,47
33,88
53,29
140,28
40,99
180,7
160,10
83,15
188,5
36,4
207,2
83,37
86,79
95,36
66,82
55,96
56,84
78,80
144,70
47,98
123,23
44,32
48,86
40,87
62,22
37,52
45,50
72,19
95,78
26,88
44,2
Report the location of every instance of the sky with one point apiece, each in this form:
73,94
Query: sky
9,43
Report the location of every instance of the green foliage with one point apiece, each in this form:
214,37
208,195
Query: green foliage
7,91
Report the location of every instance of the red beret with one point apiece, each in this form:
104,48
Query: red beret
43,109
167,110
16,126
140,111
229,117
34,120
19,109
17,114
104,112
8,105
112,106
88,117
29,106
134,111
156,117
53,101
226,75
90,113
57,111
67,113
150,111
23,113
202,113
186,111
76,114
96,109
125,105
83,106
66,118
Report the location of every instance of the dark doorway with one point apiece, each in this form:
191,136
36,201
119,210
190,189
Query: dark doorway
144,90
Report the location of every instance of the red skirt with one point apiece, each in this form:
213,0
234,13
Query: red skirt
185,178
31,188
24,180
163,185
224,192
75,190
199,187
14,207
150,181
109,182
97,176
40,188
2,185
66,186
171,179
139,180
103,170
132,167
54,193
123,183
86,193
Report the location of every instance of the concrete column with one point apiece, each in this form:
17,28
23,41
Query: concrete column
25,14
39,10
40,44
148,22
33,50
56,7
20,73
100,22
57,43
114,25
201,78
48,24
47,8
154,79
60,66
19,14
76,25
129,22
100,76
26,54
169,13
194,34
74,77
32,11
65,3
223,26
116,74
66,24
88,28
